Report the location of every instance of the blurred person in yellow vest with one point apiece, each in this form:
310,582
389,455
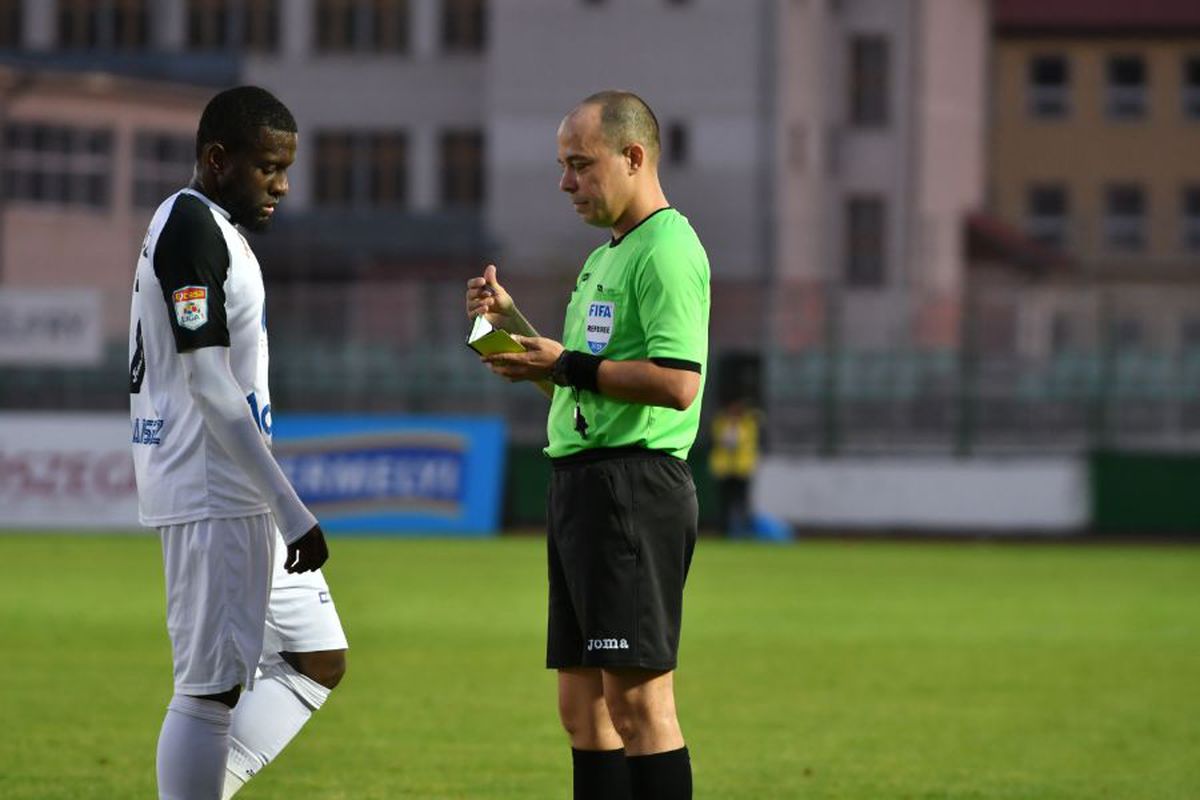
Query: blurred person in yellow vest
732,461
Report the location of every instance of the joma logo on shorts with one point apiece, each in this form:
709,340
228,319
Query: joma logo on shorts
607,644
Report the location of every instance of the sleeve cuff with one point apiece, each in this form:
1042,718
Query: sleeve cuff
678,363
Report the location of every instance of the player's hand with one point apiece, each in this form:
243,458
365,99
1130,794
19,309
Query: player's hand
307,553
486,296
532,365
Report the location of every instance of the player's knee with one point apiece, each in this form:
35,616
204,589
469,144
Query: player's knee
326,667
331,669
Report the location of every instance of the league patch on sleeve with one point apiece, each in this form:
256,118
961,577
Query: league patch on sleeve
191,306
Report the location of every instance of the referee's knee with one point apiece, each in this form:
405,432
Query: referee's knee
635,719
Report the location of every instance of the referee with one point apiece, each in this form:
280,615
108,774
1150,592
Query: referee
624,411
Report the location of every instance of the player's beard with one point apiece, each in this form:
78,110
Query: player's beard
257,224
249,216
245,210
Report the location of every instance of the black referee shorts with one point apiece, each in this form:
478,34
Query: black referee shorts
621,535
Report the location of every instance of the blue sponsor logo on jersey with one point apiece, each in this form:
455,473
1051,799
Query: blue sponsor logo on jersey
147,431
262,417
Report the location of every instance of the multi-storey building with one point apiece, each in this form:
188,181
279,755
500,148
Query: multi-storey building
1095,109
828,151
878,158
86,159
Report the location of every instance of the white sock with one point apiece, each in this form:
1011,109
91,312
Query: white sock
266,719
192,747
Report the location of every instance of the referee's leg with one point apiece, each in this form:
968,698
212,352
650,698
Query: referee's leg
641,704
597,755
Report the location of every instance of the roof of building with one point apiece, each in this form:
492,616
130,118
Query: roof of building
1093,17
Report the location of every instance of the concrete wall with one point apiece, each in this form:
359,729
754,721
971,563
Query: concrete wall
1047,495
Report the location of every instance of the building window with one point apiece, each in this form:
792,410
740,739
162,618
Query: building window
362,170
464,25
233,24
1191,219
388,175
10,23
1124,218
1189,335
869,81
1062,333
865,220
678,143
104,24
1128,334
1126,87
1046,214
1191,87
1049,87
57,164
462,169
379,26
162,165
335,169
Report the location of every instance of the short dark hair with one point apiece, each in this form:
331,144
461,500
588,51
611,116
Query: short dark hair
626,118
234,116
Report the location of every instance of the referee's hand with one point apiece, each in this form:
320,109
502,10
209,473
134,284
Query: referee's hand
307,553
486,296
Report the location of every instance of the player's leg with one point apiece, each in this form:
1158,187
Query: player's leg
598,764
741,523
641,704
304,658
218,576
725,494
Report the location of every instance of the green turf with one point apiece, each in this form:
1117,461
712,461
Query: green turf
823,670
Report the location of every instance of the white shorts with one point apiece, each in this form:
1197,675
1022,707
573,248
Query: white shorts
218,578
301,617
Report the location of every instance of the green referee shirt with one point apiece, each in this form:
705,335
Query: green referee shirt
641,297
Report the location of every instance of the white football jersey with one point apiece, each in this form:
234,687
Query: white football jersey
197,285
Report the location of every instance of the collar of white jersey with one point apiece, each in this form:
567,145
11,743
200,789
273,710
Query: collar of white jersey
206,201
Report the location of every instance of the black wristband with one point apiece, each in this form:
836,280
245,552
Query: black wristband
578,370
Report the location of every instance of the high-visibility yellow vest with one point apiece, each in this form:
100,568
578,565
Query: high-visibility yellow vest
735,445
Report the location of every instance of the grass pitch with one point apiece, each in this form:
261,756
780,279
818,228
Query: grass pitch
820,670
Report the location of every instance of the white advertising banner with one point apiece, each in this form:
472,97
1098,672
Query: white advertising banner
66,471
50,327
1021,495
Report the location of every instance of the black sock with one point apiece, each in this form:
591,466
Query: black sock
661,776
600,774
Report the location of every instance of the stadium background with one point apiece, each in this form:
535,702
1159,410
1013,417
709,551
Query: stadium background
956,262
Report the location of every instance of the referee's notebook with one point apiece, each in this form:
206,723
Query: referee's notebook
486,340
